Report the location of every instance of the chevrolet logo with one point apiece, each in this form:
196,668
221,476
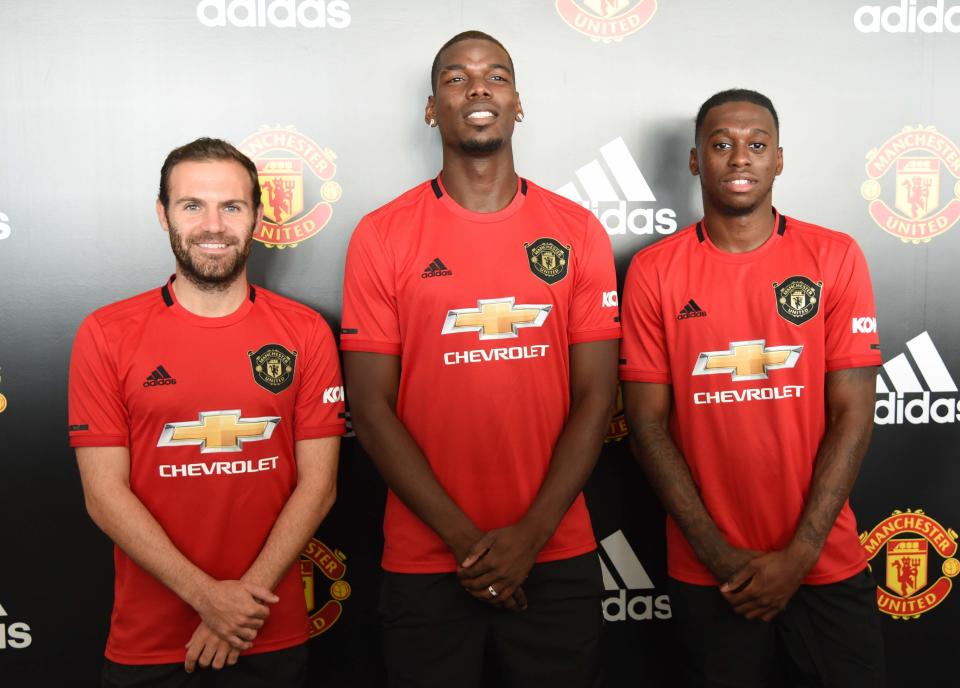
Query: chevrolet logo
218,431
495,318
747,360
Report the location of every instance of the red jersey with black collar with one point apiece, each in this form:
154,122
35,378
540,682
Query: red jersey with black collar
481,308
210,409
746,340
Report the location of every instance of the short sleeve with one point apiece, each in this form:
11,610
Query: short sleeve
97,414
370,321
594,309
320,408
643,351
851,316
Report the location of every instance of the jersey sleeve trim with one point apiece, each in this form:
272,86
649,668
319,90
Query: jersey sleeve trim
99,441
860,361
635,375
320,431
390,348
595,335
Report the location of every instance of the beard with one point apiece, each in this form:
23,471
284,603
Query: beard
481,147
210,274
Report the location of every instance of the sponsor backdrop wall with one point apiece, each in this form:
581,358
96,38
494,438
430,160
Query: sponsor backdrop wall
327,97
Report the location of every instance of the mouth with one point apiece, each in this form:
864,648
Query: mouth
739,184
212,246
481,117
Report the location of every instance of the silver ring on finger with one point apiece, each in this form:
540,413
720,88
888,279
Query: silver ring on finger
493,593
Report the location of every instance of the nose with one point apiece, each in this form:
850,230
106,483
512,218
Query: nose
212,220
477,88
740,156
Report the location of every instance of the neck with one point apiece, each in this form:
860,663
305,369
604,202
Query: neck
735,232
483,184
211,303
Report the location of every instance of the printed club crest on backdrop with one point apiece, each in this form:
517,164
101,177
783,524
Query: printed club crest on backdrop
297,188
607,20
913,543
919,163
798,298
316,556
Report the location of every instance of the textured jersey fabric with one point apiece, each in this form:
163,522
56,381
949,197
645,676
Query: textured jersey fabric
210,409
746,340
481,308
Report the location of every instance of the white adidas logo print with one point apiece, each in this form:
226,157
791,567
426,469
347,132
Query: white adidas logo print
610,205
15,636
622,571
901,395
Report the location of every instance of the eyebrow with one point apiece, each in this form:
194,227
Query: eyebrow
461,67
725,130
193,199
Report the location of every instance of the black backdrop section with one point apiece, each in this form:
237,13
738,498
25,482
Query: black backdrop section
93,95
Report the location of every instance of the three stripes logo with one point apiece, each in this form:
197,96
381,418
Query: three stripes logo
436,269
691,310
915,387
625,581
597,193
159,377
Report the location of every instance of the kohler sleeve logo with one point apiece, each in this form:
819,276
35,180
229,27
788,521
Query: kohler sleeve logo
282,14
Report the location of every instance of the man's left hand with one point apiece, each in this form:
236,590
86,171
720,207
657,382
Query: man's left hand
762,588
208,649
501,560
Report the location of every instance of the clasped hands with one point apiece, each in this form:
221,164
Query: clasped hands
232,612
758,585
498,563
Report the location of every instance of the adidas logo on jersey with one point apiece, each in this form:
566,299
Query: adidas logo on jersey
608,204
691,310
623,579
436,269
903,396
159,377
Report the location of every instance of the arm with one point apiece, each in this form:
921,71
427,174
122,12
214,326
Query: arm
372,384
777,575
647,410
234,610
503,558
299,519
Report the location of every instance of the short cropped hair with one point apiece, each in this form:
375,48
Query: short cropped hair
460,37
206,149
734,95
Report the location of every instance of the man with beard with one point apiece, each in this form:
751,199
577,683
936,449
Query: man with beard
749,393
480,328
206,429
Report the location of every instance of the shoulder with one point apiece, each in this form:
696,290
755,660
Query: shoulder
569,210
666,249
810,233
120,315
406,203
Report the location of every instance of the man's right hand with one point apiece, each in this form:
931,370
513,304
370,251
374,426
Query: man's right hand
235,610
733,559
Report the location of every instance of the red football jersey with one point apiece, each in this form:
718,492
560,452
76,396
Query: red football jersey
746,340
210,409
482,309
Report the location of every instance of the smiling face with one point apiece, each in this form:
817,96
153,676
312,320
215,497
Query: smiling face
737,157
476,102
210,219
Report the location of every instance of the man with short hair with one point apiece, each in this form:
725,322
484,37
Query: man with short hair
206,445
749,398
480,349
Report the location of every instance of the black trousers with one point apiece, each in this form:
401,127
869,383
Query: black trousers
829,636
436,634
281,669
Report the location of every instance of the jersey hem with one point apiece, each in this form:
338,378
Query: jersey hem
595,335
449,566
853,362
177,657
100,441
368,346
634,375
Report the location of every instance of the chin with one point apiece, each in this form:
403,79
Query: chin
481,145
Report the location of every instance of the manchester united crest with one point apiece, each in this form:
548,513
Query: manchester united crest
607,20
907,169
297,188
798,298
913,542
548,259
273,367
316,556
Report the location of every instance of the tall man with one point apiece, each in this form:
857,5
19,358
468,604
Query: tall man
749,398
480,333
207,447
